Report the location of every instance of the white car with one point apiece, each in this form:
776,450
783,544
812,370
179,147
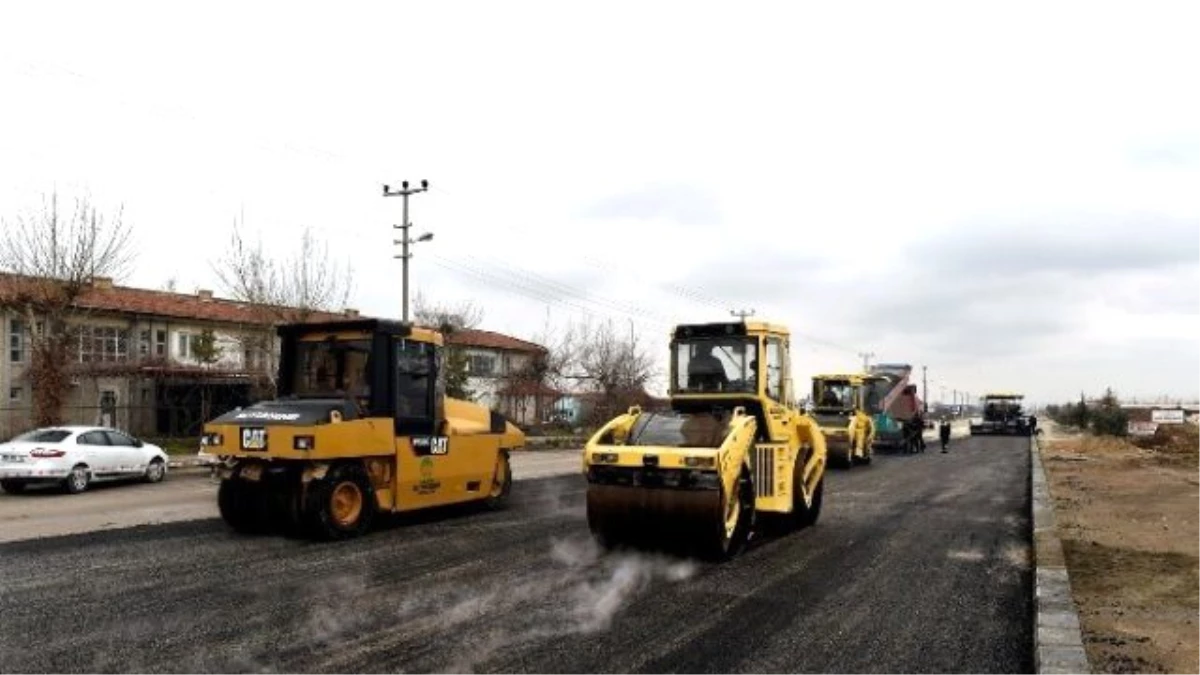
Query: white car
74,456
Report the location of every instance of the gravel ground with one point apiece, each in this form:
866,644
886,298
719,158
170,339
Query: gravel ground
919,564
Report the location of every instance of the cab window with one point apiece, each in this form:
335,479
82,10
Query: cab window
774,370
415,383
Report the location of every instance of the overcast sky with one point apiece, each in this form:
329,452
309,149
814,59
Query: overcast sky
1008,193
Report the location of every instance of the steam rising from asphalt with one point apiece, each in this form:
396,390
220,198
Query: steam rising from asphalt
577,590
580,594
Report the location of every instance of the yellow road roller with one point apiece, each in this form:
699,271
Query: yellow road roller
839,407
360,427
733,452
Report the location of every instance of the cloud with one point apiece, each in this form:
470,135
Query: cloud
678,203
1075,244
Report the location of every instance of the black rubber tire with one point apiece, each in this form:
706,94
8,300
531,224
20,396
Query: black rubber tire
318,518
498,502
13,486
721,548
241,505
283,502
843,460
806,515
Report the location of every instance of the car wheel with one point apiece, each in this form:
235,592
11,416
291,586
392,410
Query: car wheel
78,479
156,471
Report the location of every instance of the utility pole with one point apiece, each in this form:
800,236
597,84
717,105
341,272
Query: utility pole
866,357
404,240
741,314
924,390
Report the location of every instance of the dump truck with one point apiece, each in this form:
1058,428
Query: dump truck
360,426
893,403
839,407
1002,415
732,454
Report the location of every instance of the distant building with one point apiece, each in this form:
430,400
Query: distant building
499,375
135,361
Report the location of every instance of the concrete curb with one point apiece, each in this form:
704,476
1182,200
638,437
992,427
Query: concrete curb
1057,640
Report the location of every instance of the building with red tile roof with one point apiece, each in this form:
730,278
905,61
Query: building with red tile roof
135,363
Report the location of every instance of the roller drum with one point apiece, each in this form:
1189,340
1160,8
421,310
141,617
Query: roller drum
655,517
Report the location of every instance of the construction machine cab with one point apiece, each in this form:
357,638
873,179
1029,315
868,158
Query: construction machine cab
1000,407
365,368
718,366
837,393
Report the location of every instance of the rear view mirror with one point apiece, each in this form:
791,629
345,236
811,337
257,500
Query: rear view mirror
137,443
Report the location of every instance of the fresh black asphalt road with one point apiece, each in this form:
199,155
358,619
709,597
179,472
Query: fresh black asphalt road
919,563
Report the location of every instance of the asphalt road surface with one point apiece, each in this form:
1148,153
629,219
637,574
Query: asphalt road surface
919,563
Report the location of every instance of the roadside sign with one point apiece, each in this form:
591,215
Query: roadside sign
1166,416
1142,428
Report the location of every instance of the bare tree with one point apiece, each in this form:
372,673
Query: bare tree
52,255
285,289
548,373
465,315
614,368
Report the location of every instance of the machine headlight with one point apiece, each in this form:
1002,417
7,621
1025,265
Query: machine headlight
212,440
700,462
303,442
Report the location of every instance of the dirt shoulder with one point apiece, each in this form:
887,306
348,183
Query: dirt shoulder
1127,517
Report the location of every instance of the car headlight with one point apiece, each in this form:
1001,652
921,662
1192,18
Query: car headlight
605,457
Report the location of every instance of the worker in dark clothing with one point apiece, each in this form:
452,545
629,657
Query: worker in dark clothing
944,433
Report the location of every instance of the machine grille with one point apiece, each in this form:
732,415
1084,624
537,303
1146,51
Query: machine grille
764,471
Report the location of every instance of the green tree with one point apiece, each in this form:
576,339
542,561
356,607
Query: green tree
1109,418
205,347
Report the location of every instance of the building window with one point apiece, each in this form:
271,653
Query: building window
144,343
183,345
102,344
482,365
251,358
160,343
16,341
14,394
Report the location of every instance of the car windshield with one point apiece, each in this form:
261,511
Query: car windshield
838,394
716,365
333,368
43,436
